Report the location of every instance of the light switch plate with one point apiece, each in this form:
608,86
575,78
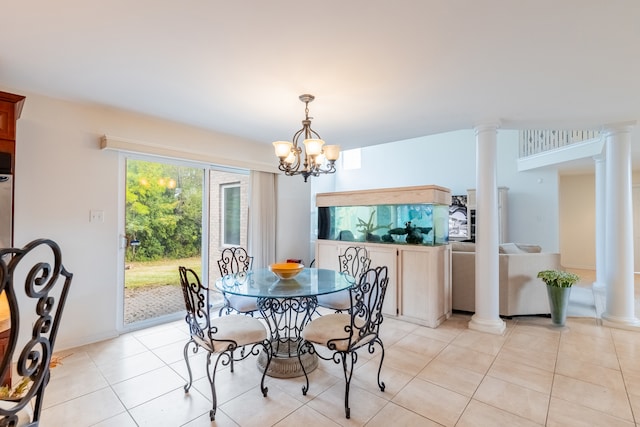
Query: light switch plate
96,216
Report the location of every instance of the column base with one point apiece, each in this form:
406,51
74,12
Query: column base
490,326
630,323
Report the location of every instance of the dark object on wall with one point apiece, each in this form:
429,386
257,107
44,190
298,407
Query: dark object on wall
472,225
5,163
458,218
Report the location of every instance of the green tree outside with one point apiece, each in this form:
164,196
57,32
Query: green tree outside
163,211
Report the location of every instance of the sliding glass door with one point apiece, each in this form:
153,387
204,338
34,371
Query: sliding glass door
176,213
163,229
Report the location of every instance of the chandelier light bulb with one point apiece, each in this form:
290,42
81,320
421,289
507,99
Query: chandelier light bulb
291,158
283,148
313,147
331,152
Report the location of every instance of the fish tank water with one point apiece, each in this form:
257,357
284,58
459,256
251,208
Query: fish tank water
418,224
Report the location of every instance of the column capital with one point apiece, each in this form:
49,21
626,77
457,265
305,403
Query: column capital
618,127
489,125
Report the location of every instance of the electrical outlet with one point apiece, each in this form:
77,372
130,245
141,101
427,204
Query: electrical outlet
96,216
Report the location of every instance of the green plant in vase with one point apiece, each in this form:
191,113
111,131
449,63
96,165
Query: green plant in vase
559,285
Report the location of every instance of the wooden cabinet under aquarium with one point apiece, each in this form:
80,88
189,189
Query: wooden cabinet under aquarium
406,229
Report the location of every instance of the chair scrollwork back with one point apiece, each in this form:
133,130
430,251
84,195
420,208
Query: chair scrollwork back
354,261
234,260
35,276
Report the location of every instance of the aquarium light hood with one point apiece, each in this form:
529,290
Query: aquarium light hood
316,153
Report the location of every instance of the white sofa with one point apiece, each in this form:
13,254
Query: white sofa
521,292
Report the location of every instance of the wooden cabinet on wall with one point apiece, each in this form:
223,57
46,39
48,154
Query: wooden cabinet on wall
419,289
10,110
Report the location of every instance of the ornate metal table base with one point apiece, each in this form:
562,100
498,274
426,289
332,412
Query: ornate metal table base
286,317
284,365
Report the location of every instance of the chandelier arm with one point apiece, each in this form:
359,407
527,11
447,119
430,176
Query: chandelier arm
315,133
330,168
296,137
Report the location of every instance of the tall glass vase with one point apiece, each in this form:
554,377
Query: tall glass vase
558,303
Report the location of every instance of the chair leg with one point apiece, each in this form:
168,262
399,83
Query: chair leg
380,383
348,360
223,308
187,386
266,345
211,374
301,349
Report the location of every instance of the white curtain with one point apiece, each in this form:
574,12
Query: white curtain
262,218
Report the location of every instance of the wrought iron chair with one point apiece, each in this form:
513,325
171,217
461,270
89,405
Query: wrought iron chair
219,335
344,333
354,261
236,260
46,285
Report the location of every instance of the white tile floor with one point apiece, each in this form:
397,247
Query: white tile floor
534,375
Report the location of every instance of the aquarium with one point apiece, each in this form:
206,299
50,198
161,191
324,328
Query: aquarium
419,224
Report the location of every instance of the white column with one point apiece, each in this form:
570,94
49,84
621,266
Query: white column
487,315
600,284
620,311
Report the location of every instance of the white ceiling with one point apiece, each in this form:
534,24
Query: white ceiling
381,70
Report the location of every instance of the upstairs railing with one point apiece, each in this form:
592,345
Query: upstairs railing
538,141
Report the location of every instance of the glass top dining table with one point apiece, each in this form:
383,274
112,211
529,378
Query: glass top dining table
262,283
286,305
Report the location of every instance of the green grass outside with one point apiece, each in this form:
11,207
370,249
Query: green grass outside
163,272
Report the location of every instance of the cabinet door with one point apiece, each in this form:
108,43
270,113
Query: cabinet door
386,256
425,280
415,268
327,252
7,121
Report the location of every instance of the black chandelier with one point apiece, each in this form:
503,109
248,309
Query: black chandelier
316,153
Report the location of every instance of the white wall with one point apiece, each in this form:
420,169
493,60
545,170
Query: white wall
449,160
533,214
578,220
292,222
61,174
